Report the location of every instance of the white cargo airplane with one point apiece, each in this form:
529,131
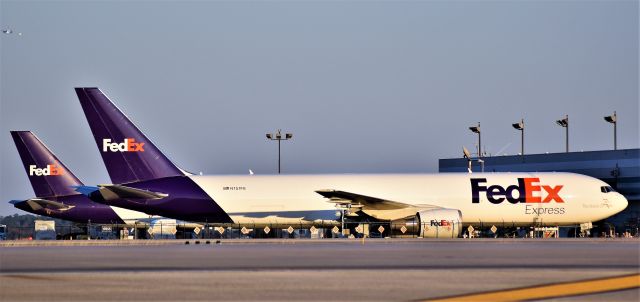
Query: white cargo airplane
430,205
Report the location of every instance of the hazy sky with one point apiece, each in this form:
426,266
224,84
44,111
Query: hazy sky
364,86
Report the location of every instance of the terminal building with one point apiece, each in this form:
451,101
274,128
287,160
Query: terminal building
619,168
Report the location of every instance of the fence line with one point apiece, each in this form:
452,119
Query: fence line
328,229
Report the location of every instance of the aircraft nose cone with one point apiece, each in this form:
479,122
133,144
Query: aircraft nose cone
622,202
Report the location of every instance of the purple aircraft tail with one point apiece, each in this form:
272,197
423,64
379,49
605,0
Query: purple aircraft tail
128,155
48,176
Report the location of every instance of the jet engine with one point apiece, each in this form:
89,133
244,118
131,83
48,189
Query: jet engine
433,223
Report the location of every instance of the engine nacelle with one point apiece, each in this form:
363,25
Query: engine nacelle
435,223
440,223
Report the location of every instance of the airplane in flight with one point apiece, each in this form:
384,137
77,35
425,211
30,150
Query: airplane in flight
55,188
434,205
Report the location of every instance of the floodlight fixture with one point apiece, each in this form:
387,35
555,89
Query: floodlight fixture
613,119
565,124
278,137
520,126
476,129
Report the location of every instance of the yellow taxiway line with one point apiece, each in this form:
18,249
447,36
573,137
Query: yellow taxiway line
585,287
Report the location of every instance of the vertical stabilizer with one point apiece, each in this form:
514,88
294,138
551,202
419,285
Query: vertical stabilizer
127,153
47,174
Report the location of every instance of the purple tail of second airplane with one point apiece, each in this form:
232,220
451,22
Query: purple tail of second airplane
143,178
128,154
48,176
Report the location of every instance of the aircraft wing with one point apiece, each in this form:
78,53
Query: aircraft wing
357,200
373,206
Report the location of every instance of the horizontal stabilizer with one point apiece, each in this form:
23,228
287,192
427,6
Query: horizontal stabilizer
38,204
111,192
86,190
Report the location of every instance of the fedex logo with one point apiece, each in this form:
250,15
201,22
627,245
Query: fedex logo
129,145
529,191
50,170
440,222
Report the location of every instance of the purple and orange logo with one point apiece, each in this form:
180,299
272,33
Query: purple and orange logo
129,145
50,170
529,191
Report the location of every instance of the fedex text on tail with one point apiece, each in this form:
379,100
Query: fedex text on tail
129,145
50,170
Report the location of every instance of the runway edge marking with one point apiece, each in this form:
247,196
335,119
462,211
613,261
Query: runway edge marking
572,288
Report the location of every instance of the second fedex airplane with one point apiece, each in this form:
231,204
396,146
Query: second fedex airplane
146,180
54,185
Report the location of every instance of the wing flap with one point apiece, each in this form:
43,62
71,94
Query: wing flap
376,207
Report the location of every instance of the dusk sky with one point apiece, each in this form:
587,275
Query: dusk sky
364,86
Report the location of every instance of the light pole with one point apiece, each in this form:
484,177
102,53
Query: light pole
520,126
614,120
476,129
278,137
565,123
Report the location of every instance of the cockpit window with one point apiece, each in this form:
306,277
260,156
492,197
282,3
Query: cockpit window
606,189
